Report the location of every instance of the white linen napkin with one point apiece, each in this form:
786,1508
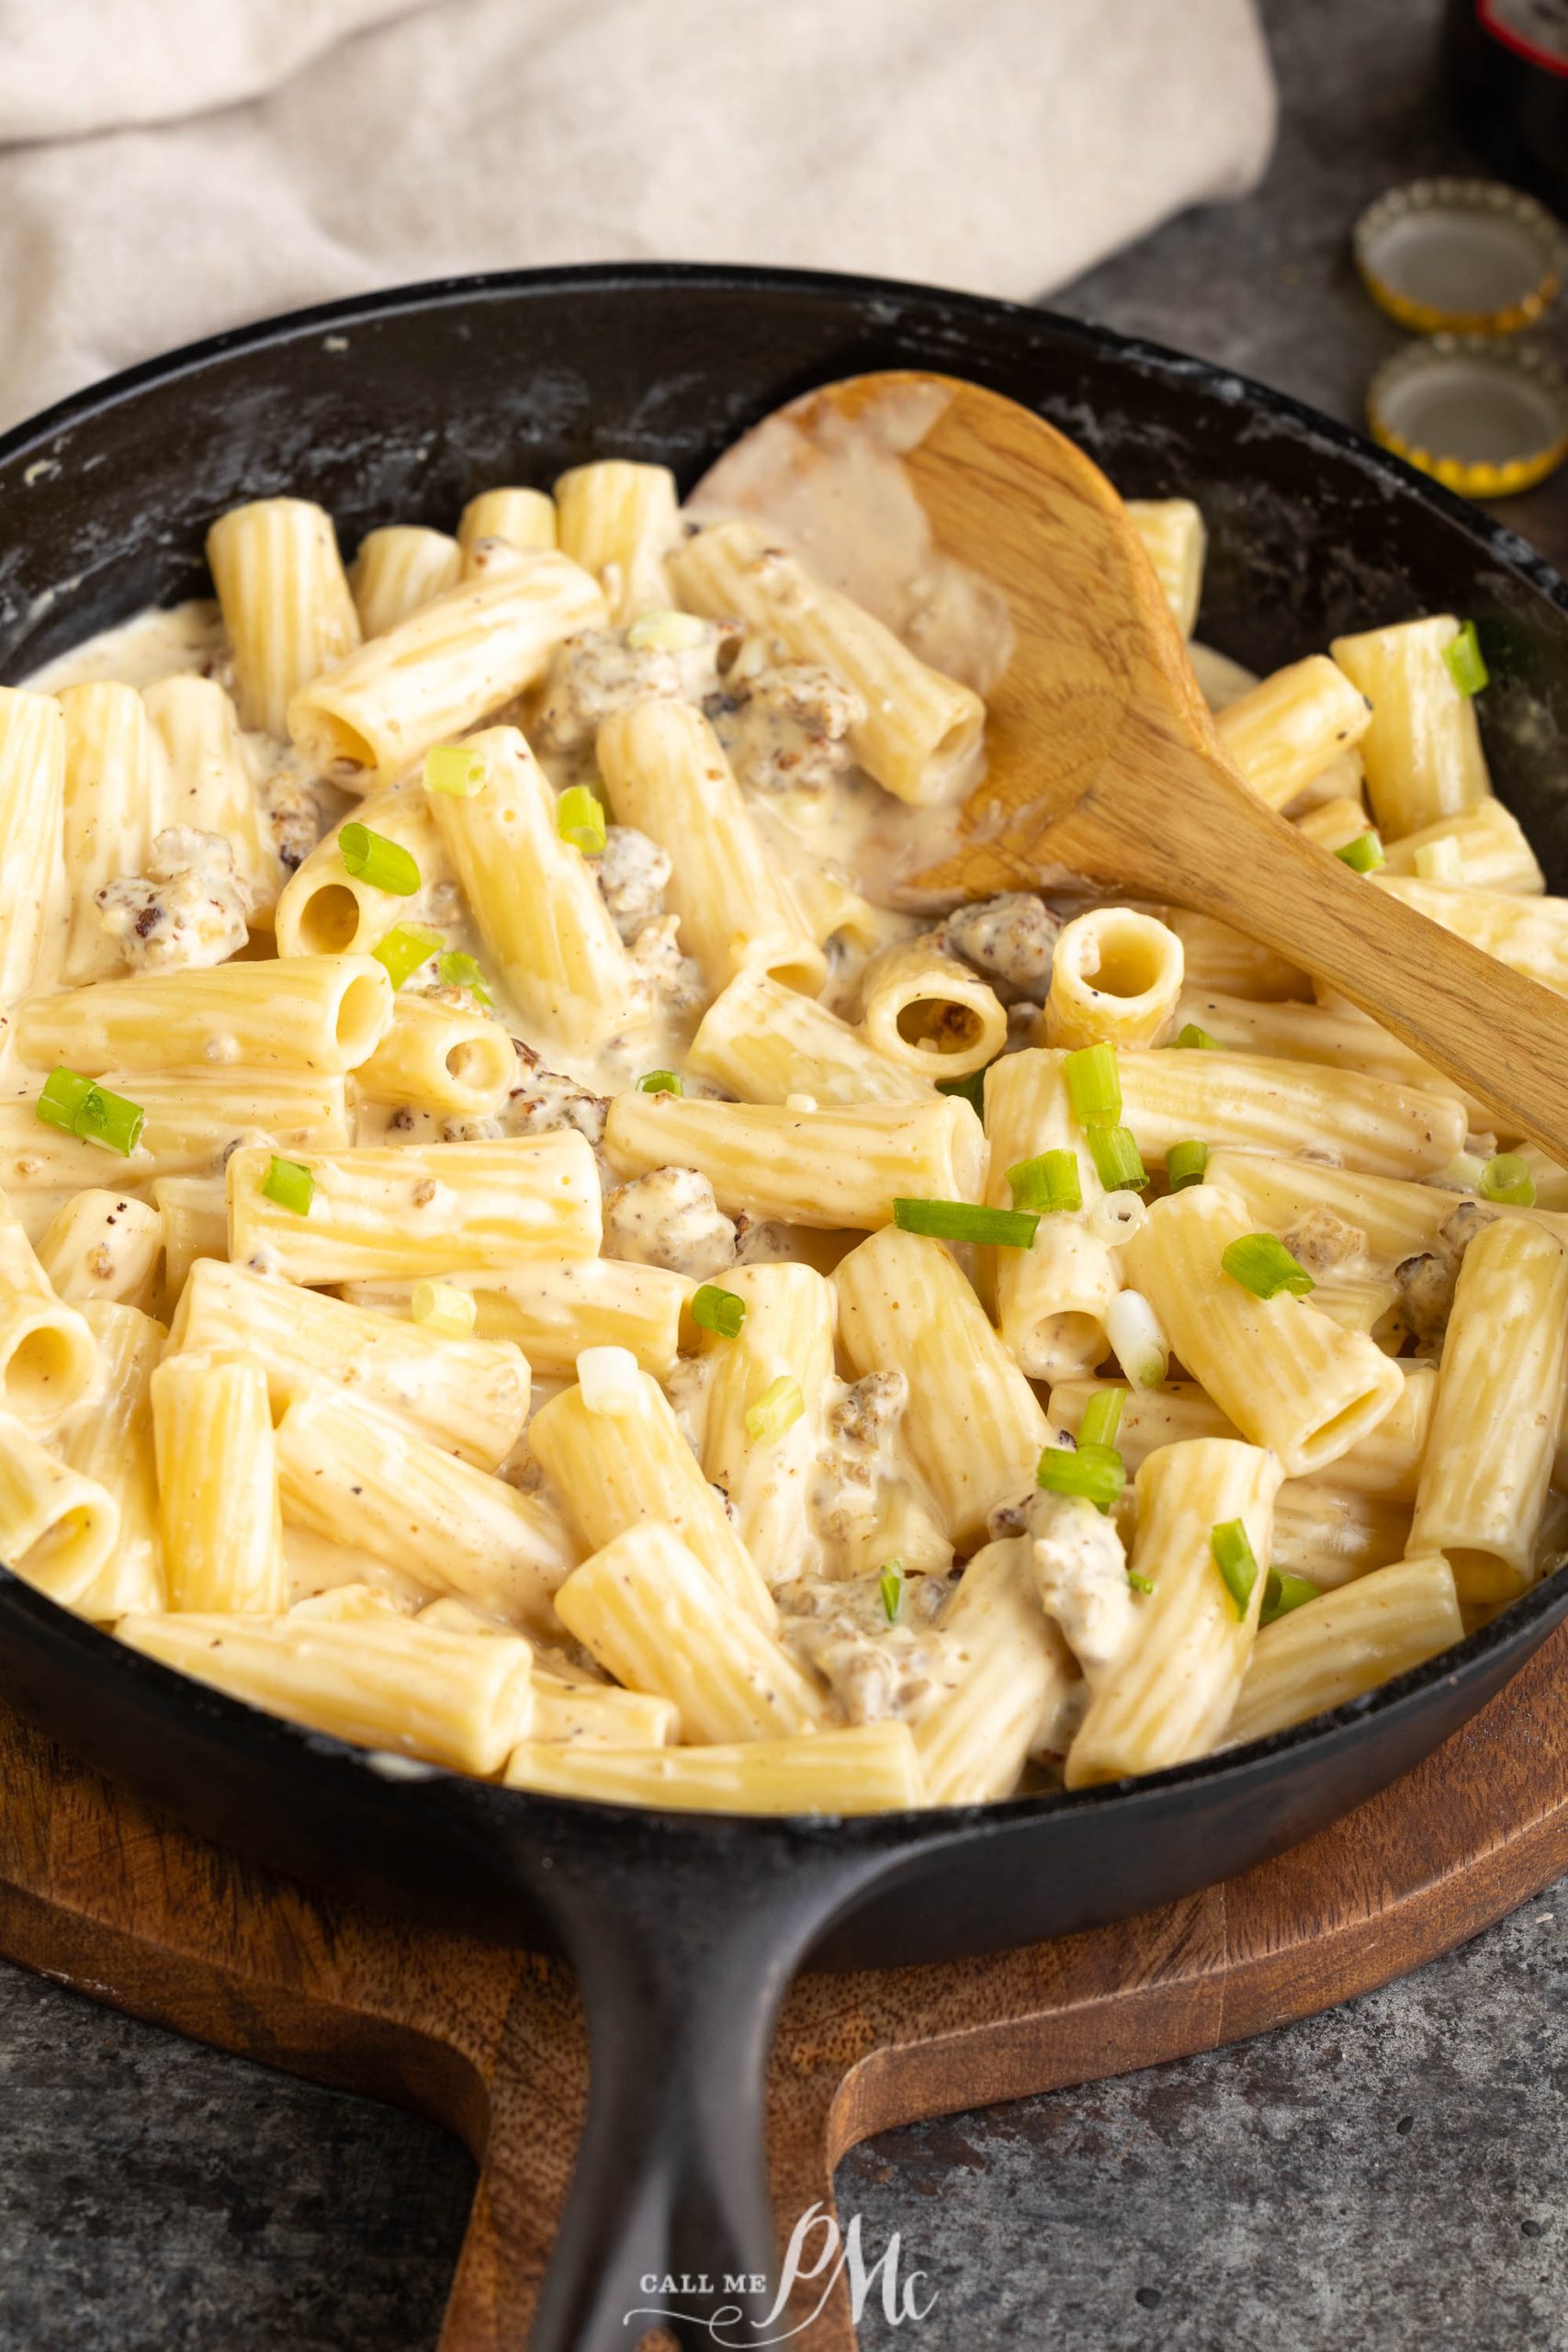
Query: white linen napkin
169,167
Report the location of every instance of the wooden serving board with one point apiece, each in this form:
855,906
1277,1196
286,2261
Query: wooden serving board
102,1894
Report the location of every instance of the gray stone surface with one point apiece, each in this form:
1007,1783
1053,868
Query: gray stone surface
1388,2175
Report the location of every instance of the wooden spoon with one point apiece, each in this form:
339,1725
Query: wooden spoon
1102,760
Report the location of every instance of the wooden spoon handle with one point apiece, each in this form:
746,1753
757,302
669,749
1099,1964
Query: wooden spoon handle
1219,849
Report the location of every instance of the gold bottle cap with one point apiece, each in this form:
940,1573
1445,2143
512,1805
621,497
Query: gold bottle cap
1485,418
1470,257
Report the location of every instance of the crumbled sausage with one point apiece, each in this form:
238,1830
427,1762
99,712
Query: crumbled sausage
188,910
634,874
785,728
875,1667
1080,1571
670,1218
1325,1244
597,672
1010,940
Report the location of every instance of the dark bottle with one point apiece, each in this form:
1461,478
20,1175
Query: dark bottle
1507,69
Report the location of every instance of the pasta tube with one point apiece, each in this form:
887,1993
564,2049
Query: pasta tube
787,1335
921,735
34,901
931,1013
115,790
1331,1650
536,900
1396,1219
218,1484
206,782
553,1311
617,520
58,1529
107,1440
595,1715
1052,1299
48,1359
1288,728
1215,957
1488,846
323,1013
326,911
765,1042
468,1396
1171,1691
195,1217
1115,975
1012,1672
1286,1374
1337,1033
1423,749
191,1121
399,568
648,1610
827,1168
1175,541
1378,1127
103,1247
437,1054
973,1431
616,1471
1530,936
872,1767
359,1478
382,1681
526,519
667,775
419,1209
828,904
1500,1393
441,670
285,600
1329,1537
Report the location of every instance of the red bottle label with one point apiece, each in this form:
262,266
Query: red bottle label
1534,29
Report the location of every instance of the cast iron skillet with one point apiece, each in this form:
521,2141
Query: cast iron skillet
685,1930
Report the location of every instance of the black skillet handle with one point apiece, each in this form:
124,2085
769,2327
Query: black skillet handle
682,1956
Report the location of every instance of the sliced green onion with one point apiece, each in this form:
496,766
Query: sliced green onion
1184,1165
580,819
962,1221
661,1082
1094,1088
890,1584
288,1183
778,1407
405,947
1049,1183
720,1311
1364,854
1282,1593
456,768
456,970
1235,1560
1507,1177
64,1092
1465,662
110,1119
1262,1264
1137,1338
662,631
1096,1472
444,1308
1102,1417
1118,1159
1464,1171
1440,861
972,1089
1189,1038
1139,1583
371,857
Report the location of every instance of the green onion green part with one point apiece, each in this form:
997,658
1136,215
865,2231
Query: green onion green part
1184,1165
1235,1560
1189,1038
456,768
1101,1417
371,857
1507,1177
291,1185
1263,1265
1139,1583
444,1308
1282,1593
1465,662
580,819
778,1407
64,1092
1094,1088
456,970
110,1119
972,1089
720,1311
405,947
1364,854
661,1082
1049,1183
1118,1159
962,1221
1096,1472
890,1584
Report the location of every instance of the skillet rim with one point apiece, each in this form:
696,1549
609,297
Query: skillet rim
1513,1625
